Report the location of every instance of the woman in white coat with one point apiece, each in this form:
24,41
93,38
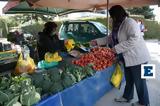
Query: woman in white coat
130,47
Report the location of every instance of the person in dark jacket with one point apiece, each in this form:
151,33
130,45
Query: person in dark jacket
48,40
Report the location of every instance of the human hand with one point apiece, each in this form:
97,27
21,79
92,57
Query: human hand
93,43
113,50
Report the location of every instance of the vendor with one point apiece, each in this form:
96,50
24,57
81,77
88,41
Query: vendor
48,40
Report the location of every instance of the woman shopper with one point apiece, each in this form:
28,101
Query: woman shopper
131,49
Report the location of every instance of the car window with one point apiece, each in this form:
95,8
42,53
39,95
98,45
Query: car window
100,26
70,28
88,29
80,31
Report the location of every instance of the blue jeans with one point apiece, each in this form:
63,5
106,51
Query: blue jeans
133,76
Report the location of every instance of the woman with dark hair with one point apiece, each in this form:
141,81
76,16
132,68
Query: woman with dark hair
48,40
131,49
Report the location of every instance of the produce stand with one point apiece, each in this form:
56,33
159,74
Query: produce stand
84,93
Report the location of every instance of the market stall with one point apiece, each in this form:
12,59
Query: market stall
57,84
84,93
72,89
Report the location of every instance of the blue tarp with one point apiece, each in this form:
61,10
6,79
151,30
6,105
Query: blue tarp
84,93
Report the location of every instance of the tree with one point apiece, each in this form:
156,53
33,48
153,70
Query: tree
3,27
21,19
146,11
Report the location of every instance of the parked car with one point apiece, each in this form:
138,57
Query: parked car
82,31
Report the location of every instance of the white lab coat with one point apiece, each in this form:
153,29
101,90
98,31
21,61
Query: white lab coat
131,43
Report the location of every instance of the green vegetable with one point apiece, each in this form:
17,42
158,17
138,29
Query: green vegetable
15,88
56,87
37,79
3,97
68,79
5,83
88,70
46,84
55,74
17,104
12,102
29,97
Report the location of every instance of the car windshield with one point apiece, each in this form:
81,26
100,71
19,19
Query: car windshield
100,26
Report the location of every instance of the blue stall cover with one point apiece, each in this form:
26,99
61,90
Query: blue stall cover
85,93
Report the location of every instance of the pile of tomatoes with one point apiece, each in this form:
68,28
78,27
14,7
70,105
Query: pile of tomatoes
100,57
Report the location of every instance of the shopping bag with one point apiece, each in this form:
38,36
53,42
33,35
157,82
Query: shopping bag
52,57
46,65
25,65
117,76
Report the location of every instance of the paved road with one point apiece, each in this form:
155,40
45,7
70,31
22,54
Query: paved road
154,95
154,49
153,85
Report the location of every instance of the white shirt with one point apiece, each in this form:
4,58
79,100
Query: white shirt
131,43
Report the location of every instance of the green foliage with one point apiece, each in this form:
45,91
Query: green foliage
146,11
13,21
36,27
23,18
33,29
152,27
4,26
153,30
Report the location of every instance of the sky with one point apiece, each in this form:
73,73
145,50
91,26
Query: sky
156,10
2,4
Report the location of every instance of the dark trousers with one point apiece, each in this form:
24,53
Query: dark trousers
133,76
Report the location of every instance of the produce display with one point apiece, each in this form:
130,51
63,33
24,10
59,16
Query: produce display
55,80
28,89
99,57
17,91
69,44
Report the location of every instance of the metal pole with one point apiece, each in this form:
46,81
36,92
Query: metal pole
107,22
107,17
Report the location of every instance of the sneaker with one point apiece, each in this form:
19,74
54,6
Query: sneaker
121,99
138,104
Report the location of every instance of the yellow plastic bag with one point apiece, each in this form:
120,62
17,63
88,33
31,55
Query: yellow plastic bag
25,65
69,44
52,57
117,76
